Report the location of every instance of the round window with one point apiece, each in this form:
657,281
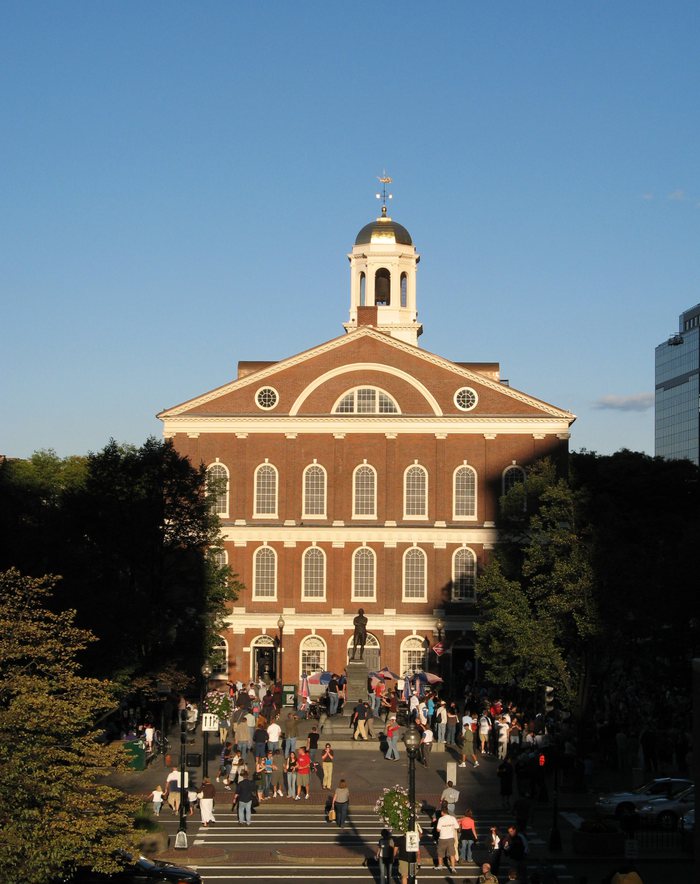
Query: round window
466,398
266,397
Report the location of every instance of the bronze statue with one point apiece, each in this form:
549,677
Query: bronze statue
360,635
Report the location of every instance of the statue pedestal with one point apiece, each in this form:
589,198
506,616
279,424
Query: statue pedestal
356,688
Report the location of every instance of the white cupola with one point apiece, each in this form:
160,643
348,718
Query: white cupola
383,266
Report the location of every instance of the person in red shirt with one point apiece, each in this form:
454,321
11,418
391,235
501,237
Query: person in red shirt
392,737
303,771
468,836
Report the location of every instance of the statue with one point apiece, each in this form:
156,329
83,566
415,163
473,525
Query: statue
360,635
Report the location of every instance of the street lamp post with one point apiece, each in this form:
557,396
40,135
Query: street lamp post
412,742
206,672
181,836
280,626
439,625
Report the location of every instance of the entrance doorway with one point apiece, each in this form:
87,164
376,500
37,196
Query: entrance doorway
263,658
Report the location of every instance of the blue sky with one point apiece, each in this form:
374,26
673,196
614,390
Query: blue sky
180,184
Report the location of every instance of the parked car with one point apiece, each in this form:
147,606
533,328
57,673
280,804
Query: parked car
140,871
665,812
686,825
621,803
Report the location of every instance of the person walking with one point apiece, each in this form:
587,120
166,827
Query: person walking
426,745
452,721
392,737
243,800
441,720
447,827
327,764
359,719
332,691
340,803
468,747
467,829
387,852
450,795
505,774
206,796
157,799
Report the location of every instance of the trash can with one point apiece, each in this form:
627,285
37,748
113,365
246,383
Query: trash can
136,752
289,695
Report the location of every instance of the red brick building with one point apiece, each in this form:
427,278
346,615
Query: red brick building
364,472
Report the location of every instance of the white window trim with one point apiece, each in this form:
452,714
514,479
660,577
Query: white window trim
256,514
313,598
461,407
364,517
260,641
454,575
217,463
411,599
265,598
424,517
223,642
512,466
410,639
364,598
455,517
304,513
313,635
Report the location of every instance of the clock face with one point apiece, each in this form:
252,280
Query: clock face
465,398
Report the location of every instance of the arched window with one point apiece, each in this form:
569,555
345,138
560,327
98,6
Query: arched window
314,505
412,654
363,290
415,493
217,488
372,652
312,654
463,575
218,657
265,491
513,475
464,493
265,574
364,492
313,574
404,290
219,557
414,575
363,574
366,400
382,287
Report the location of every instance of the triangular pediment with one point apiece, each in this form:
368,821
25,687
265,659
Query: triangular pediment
309,382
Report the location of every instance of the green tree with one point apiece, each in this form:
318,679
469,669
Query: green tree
539,616
58,811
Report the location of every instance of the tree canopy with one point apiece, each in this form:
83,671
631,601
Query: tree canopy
132,533
58,810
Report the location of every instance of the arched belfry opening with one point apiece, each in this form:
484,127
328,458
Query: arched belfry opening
383,266
382,288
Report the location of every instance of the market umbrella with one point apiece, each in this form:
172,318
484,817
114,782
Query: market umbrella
427,678
304,687
387,674
320,677
407,687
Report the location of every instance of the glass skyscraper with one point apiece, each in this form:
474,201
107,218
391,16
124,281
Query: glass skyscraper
677,418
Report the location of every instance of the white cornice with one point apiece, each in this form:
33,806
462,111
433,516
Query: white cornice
351,534
306,622
458,425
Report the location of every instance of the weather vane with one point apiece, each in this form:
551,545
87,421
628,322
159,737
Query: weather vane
384,179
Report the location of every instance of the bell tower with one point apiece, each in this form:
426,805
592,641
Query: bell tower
383,265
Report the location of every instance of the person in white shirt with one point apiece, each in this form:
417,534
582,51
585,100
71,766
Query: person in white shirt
451,796
426,744
447,828
274,733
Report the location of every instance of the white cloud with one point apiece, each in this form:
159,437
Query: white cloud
635,402
678,196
